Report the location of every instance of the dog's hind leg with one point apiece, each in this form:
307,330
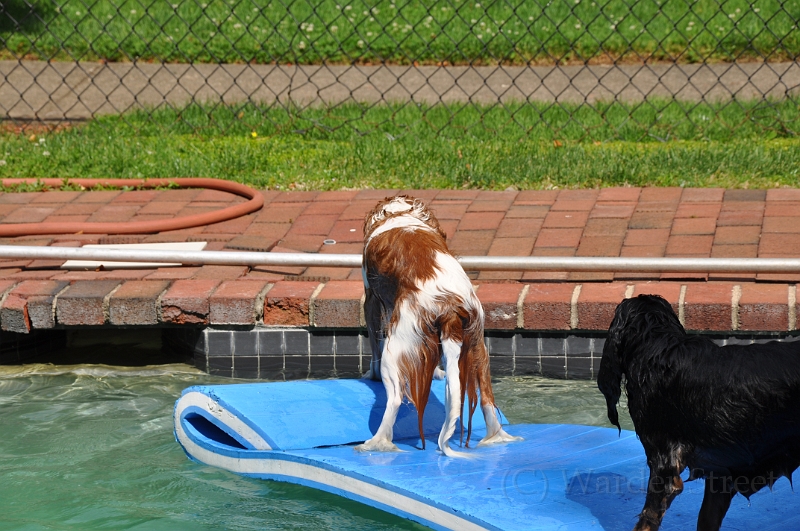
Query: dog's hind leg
495,434
716,502
390,375
451,351
665,483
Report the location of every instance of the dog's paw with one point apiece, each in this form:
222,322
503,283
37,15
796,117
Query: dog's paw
498,438
438,374
377,445
449,452
367,375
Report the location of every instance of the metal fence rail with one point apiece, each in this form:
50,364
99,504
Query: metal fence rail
575,62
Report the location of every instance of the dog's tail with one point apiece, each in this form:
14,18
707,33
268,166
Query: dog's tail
417,373
459,325
474,379
474,370
478,380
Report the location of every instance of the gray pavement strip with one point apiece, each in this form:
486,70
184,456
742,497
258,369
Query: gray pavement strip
38,90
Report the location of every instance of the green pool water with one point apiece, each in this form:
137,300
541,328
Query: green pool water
90,447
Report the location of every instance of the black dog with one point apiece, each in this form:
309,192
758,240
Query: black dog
730,414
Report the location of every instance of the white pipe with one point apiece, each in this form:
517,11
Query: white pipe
181,257
472,263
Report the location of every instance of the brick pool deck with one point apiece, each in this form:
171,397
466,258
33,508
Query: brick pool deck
647,222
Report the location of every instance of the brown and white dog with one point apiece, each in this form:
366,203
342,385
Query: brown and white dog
420,309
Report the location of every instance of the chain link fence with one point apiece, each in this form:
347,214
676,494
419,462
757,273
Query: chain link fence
597,69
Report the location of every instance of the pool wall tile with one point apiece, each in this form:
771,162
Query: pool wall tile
285,353
348,365
501,344
219,366
347,344
554,366
321,343
295,367
527,346
270,342
501,365
270,367
322,366
296,342
579,368
245,343
219,343
578,347
527,366
245,367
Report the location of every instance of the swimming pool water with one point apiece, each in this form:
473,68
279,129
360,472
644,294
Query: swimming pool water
91,447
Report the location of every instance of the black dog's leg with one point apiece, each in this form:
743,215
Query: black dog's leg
716,501
665,483
373,317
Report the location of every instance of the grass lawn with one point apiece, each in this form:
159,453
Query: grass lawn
401,31
428,147
533,145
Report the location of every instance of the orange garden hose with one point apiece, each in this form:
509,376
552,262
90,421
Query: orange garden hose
255,202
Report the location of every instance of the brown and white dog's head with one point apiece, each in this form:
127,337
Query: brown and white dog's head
399,211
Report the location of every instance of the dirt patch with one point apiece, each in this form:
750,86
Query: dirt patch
35,128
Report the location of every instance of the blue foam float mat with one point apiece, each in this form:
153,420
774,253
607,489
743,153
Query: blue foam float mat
561,477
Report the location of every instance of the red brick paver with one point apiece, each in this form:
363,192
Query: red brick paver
288,303
238,302
625,221
548,306
763,307
22,309
84,302
597,303
709,306
338,304
135,303
187,301
500,304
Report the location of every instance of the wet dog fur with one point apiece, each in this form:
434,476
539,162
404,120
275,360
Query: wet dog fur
420,309
730,414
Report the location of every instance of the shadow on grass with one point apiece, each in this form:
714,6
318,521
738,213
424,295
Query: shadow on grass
22,15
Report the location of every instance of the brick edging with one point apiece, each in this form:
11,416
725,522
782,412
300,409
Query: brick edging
706,306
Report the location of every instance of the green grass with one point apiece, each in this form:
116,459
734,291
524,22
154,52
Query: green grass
428,147
651,120
402,31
